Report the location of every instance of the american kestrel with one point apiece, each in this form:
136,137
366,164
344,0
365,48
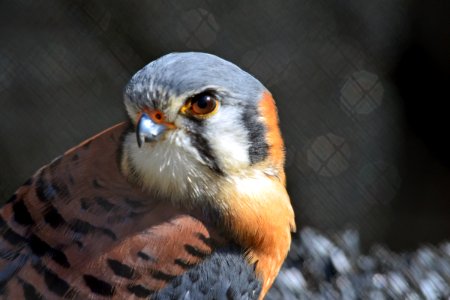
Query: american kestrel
186,200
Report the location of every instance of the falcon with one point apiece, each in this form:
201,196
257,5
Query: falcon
185,200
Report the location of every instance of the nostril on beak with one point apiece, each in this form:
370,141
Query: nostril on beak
148,130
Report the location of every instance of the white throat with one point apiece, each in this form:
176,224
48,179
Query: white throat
170,168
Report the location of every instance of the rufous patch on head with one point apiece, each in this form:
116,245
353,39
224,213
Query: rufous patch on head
269,113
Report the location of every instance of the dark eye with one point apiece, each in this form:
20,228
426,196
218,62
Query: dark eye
203,104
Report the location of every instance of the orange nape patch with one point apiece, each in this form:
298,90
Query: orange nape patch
261,219
269,113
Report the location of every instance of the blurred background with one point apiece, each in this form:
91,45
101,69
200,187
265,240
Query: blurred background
362,89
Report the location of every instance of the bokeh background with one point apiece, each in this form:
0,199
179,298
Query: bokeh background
361,87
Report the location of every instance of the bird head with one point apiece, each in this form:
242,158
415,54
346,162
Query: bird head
206,137
199,120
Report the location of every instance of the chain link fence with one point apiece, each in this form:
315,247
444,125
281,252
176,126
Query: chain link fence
352,160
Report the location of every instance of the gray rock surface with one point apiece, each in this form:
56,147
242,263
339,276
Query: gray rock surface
333,267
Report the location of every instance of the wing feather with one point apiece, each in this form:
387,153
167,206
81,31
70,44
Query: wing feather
79,229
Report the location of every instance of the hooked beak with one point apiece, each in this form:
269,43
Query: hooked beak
148,130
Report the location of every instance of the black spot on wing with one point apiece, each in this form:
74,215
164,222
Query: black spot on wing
120,269
12,237
40,248
109,233
61,188
103,203
194,251
98,286
139,291
160,275
133,215
134,203
29,291
75,157
54,283
44,190
53,218
84,228
207,241
21,213
48,191
37,246
184,263
145,256
258,149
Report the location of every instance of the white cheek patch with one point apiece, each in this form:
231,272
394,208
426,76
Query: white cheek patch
228,139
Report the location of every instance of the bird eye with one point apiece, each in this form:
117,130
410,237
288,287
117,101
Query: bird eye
202,105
